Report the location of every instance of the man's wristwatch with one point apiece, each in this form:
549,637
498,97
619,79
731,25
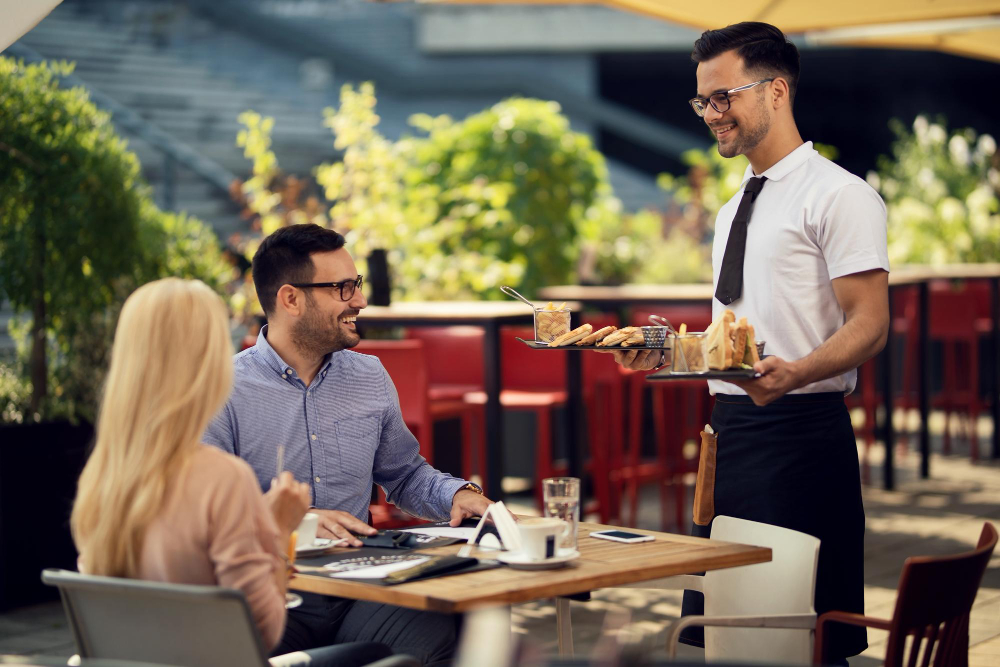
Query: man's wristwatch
663,360
472,487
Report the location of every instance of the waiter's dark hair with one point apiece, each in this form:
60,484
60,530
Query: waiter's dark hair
284,257
764,49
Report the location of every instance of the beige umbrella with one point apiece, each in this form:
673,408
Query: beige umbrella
789,15
972,37
20,16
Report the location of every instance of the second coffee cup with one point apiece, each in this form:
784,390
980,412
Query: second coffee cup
306,532
540,536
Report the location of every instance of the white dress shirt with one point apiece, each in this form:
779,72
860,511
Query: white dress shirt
811,223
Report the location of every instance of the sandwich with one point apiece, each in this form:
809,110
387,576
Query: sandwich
751,357
597,336
637,338
719,350
739,335
571,337
619,336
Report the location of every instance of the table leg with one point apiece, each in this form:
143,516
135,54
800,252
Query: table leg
564,626
995,397
888,437
574,406
925,389
494,410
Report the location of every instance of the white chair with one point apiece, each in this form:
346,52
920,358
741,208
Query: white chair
171,624
755,613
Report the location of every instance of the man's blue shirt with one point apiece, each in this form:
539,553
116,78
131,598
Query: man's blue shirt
340,434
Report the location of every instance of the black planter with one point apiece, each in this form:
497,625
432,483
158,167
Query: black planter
39,468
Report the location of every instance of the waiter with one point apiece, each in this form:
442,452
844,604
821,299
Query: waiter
800,251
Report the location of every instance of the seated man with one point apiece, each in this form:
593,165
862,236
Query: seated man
337,414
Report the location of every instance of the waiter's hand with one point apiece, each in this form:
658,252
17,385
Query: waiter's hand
638,359
467,504
778,377
336,524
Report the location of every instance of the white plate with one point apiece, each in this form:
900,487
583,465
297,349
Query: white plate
520,561
320,545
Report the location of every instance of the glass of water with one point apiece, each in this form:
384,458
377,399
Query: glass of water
562,501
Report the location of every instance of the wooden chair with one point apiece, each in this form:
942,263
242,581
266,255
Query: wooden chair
932,608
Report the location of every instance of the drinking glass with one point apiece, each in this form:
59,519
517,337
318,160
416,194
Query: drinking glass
562,501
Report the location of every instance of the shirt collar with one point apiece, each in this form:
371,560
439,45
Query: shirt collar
276,363
785,165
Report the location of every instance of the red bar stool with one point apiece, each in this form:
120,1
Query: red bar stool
680,411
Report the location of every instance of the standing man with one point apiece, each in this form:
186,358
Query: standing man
800,252
337,414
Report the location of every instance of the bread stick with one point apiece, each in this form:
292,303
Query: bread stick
572,336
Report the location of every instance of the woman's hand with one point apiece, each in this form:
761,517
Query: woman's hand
288,500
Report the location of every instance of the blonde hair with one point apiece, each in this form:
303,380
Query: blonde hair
171,371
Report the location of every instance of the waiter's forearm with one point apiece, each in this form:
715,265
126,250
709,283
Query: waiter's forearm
860,339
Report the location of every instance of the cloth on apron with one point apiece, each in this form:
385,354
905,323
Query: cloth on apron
794,463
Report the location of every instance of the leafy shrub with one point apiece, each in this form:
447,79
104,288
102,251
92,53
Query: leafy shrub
940,191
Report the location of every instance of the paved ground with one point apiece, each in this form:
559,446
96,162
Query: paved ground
922,517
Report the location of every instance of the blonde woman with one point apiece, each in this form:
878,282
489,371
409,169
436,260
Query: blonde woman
153,502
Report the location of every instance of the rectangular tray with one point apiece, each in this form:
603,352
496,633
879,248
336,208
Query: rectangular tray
732,374
535,345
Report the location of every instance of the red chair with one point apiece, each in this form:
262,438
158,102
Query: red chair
681,410
933,604
406,364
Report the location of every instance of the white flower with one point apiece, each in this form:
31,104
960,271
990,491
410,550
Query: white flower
986,145
959,149
873,179
936,134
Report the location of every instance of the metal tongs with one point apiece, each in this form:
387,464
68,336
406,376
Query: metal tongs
663,322
510,291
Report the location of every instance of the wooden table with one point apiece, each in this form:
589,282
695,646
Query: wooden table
619,298
490,315
602,564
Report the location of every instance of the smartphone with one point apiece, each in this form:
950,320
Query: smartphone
622,536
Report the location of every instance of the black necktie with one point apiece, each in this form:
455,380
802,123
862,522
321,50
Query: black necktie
730,286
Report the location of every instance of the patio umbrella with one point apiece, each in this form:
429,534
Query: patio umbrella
789,15
20,16
973,37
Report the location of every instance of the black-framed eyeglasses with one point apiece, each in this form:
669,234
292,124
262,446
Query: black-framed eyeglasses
720,101
346,287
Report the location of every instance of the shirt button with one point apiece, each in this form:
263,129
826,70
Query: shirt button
284,376
313,436
317,480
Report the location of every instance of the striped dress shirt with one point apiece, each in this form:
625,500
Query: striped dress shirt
341,433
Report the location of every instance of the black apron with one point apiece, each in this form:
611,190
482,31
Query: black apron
794,463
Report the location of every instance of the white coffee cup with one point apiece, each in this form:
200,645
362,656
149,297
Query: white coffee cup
306,532
540,536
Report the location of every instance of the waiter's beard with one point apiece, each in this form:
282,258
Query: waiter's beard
750,133
317,334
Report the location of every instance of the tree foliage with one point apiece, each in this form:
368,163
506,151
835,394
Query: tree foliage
78,233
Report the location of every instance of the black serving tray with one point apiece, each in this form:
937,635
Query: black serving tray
535,345
732,374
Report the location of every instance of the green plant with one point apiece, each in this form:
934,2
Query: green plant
78,233
941,194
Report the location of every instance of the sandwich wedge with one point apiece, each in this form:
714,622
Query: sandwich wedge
571,337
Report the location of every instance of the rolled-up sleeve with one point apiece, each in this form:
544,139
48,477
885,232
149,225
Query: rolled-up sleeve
408,480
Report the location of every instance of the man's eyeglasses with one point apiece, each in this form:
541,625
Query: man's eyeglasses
720,101
346,287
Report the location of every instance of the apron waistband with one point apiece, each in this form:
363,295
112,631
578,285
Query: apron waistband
788,399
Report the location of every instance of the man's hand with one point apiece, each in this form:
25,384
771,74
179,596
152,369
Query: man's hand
638,359
778,377
467,504
336,524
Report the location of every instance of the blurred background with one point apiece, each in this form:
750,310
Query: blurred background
458,146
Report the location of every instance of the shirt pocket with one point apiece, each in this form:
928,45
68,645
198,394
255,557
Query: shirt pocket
357,440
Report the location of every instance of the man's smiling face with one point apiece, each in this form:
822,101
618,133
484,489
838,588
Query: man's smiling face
747,121
328,325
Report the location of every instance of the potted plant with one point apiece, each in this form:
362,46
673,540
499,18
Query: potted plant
78,232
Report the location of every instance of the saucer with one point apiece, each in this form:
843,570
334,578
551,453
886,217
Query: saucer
520,561
319,545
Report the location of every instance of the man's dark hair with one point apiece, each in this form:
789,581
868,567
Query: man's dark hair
764,49
284,257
